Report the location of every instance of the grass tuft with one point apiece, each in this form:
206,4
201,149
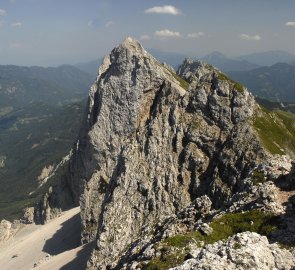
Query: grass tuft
258,177
236,85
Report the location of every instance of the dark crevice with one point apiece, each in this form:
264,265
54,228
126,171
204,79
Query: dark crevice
174,143
96,107
133,72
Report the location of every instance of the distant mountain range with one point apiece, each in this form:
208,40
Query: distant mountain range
90,67
248,62
268,58
275,83
171,58
224,63
20,86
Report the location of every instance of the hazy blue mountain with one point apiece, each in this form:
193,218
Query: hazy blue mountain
275,83
20,86
171,58
224,63
90,67
268,58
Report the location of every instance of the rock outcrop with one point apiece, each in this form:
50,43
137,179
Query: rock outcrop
8,229
161,153
242,251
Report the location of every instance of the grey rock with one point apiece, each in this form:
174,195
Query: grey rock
5,229
8,229
157,155
28,215
243,251
205,229
150,146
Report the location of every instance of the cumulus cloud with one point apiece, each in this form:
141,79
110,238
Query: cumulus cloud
195,35
2,12
145,37
163,10
290,24
16,24
109,23
249,37
167,34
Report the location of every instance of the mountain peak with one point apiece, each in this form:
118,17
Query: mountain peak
132,44
157,151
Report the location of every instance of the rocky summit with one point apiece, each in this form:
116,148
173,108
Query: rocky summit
171,169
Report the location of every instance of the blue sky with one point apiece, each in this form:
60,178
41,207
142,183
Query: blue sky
53,32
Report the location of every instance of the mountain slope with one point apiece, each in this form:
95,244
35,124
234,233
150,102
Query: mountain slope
35,245
275,83
170,168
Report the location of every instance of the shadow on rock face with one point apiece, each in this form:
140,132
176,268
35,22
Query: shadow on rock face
80,261
66,238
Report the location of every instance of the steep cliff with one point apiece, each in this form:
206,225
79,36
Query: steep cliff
159,152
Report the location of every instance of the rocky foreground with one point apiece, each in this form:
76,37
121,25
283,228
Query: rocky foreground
173,169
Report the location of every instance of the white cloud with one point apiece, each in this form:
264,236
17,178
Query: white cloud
145,37
290,24
163,10
16,24
90,23
195,35
167,34
109,23
249,37
15,45
2,12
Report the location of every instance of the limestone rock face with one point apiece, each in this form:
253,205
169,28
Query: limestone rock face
8,229
242,251
152,143
5,227
28,215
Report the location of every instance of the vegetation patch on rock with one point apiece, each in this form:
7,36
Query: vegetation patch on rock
237,86
228,225
176,247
